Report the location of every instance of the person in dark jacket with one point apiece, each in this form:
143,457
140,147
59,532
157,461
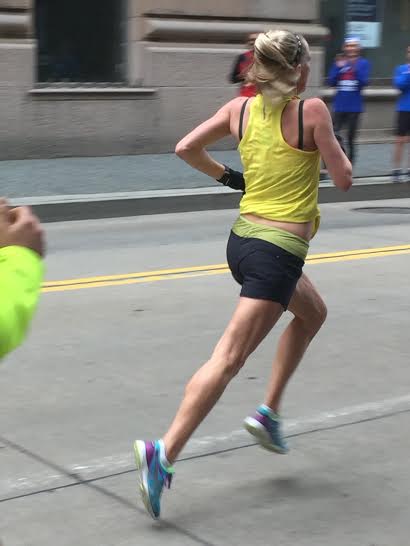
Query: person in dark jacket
242,64
349,74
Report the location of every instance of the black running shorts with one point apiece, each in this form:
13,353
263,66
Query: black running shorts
403,123
265,271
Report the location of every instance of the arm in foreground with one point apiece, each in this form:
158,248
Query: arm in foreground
21,273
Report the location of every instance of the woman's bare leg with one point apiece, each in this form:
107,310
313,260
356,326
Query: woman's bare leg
251,322
310,313
400,143
408,154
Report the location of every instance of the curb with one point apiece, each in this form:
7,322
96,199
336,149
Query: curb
116,205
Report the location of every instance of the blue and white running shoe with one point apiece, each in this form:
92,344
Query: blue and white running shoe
266,427
152,475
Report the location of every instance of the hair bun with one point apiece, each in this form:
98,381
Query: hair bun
277,54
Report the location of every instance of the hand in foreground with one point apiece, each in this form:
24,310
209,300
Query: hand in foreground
20,227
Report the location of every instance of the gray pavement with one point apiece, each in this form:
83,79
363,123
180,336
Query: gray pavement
104,365
79,176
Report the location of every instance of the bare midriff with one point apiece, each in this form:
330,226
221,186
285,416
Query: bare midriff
303,230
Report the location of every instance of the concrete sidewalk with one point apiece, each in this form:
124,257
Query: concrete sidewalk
104,187
95,175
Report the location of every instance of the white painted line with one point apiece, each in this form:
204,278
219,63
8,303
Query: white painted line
177,192
24,484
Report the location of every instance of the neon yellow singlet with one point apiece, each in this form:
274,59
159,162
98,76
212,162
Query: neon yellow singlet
281,181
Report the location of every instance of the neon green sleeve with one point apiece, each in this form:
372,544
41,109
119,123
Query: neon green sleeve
21,274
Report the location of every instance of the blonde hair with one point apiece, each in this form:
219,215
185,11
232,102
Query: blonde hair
277,55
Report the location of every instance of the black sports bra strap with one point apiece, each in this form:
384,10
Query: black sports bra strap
301,129
245,102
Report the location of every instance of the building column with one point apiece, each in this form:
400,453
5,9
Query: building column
17,54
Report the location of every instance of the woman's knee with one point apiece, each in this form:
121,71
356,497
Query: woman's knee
309,307
229,362
320,313
215,374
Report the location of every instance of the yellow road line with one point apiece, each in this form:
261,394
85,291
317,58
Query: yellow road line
208,270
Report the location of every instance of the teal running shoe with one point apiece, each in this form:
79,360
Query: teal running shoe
266,427
152,475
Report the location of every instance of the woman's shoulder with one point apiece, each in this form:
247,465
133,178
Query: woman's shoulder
316,113
315,104
238,102
315,109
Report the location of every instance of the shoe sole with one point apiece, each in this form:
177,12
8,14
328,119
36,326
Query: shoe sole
142,468
258,431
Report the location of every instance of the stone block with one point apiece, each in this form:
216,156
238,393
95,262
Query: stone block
16,4
89,127
180,110
136,29
198,66
300,10
316,67
208,8
15,24
17,63
193,65
219,31
137,59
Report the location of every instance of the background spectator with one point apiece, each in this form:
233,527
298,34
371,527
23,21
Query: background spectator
402,82
241,67
349,74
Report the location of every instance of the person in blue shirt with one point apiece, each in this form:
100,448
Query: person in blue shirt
401,81
349,74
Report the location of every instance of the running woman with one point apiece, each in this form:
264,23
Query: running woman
281,139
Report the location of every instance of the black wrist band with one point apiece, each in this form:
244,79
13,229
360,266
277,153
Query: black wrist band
225,178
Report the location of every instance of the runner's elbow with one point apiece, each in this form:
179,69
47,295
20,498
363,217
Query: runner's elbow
345,181
185,148
181,149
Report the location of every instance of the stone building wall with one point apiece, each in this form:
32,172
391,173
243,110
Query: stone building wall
178,57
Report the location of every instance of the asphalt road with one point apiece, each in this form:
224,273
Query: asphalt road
130,309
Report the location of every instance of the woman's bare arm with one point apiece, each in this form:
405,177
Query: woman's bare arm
338,165
192,147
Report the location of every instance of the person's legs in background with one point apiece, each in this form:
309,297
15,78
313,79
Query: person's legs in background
402,139
399,146
339,120
353,125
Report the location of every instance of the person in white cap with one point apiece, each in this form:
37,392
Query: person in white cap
349,74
